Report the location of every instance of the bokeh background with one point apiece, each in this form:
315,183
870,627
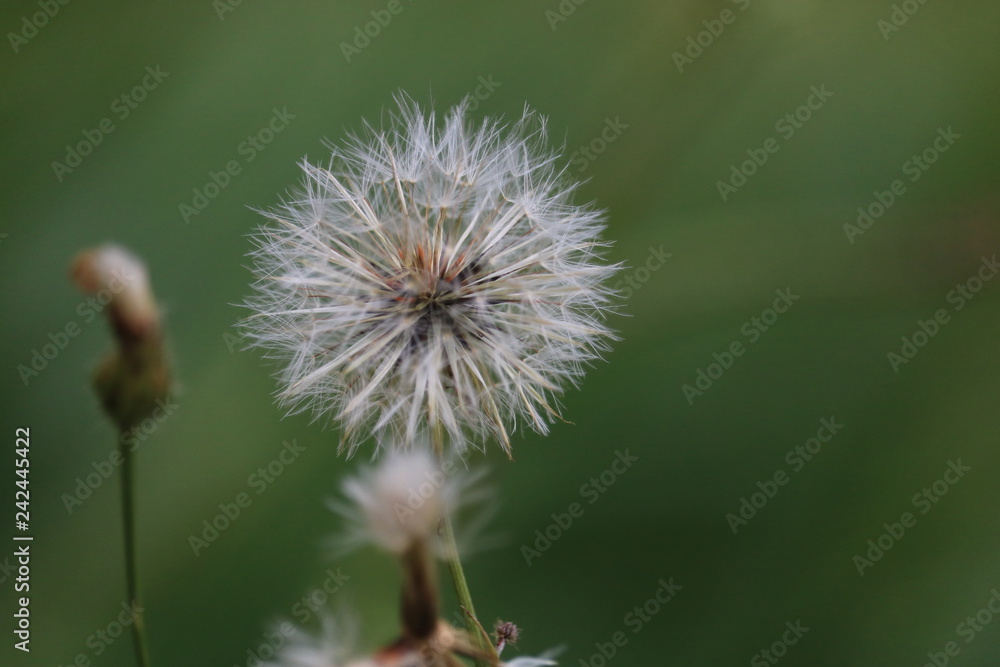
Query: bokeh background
681,128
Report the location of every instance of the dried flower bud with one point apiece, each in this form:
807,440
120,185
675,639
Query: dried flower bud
118,277
505,633
132,380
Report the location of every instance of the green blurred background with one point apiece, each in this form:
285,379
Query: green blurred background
666,516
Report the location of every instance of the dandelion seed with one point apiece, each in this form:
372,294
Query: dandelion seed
403,499
432,277
330,648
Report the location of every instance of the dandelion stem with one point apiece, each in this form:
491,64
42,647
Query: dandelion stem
131,573
457,573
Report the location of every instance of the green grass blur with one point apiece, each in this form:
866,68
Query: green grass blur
666,516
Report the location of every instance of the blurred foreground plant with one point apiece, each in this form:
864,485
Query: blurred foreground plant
132,382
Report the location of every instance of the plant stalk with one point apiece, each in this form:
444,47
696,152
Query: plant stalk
131,569
457,573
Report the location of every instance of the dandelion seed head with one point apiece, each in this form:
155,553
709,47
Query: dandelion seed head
432,277
403,498
398,502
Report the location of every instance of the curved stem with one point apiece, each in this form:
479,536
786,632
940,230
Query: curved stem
457,573
131,573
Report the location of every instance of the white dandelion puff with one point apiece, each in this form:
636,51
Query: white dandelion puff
403,500
330,648
432,277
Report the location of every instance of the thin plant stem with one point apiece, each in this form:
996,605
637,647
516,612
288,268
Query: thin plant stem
455,568
131,573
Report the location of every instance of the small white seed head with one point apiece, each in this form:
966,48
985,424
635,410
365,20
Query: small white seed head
400,501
